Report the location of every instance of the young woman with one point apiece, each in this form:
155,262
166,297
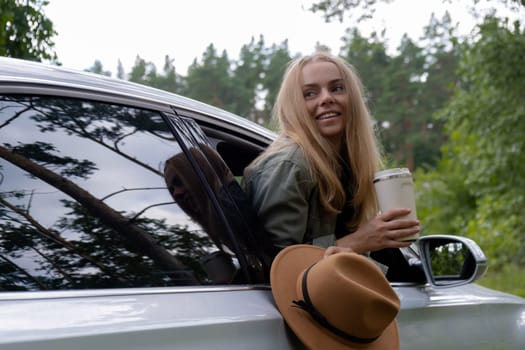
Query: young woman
314,184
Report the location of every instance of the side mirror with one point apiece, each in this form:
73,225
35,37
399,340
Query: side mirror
451,260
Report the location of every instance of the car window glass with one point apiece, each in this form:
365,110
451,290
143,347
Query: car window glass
84,203
243,234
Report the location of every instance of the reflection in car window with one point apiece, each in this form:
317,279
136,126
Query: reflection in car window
243,233
186,188
83,201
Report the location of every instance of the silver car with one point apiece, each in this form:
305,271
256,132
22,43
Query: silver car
123,226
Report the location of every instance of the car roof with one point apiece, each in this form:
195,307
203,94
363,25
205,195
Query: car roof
16,72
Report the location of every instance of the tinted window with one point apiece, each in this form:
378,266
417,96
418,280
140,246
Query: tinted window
84,202
243,233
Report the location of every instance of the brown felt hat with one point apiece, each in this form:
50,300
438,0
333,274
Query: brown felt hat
340,302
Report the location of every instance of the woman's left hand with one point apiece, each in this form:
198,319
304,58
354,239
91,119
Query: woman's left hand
384,231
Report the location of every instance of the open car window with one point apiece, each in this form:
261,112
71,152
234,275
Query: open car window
237,152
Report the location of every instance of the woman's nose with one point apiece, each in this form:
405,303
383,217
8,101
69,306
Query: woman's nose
326,97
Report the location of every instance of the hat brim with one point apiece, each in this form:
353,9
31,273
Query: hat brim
285,270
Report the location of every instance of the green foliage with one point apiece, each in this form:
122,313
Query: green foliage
246,86
444,203
277,59
448,260
339,8
510,278
146,73
247,78
369,57
364,9
25,32
478,188
210,81
97,68
405,90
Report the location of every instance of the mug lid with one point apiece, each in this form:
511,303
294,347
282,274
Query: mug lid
391,173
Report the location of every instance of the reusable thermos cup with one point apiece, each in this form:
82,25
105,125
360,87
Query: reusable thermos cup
395,189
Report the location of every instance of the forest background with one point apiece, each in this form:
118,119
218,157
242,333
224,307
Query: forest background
450,107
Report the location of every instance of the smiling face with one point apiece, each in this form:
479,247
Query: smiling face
326,99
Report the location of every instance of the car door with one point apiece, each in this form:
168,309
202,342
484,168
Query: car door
95,252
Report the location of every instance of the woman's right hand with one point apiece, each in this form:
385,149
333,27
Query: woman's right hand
381,232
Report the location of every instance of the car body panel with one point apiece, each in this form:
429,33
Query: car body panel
231,317
464,317
153,318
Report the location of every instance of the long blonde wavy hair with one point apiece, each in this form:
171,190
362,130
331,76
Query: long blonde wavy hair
363,155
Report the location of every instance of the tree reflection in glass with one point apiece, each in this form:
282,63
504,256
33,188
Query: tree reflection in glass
83,203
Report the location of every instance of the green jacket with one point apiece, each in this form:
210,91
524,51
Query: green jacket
286,199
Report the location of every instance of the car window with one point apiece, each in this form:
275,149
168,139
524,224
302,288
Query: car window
84,202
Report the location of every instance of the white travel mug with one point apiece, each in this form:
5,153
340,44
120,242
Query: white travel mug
395,189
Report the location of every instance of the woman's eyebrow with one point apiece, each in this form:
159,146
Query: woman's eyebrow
338,80
334,81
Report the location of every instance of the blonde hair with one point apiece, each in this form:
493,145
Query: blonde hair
362,149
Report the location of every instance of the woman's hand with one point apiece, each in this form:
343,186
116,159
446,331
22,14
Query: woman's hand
381,232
